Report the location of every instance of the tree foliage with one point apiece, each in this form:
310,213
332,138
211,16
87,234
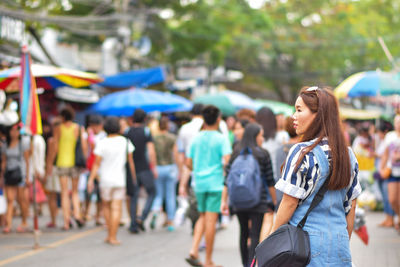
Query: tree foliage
280,47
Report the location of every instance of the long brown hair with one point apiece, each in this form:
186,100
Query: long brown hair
327,124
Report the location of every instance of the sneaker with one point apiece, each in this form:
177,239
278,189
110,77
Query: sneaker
153,222
141,226
170,228
133,231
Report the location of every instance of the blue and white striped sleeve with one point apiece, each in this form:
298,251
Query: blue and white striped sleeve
293,182
354,188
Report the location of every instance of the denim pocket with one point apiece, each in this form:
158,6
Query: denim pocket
316,242
343,247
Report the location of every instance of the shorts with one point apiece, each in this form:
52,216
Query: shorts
71,172
53,182
393,179
112,193
209,201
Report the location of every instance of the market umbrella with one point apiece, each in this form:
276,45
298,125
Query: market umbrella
30,117
239,100
48,77
227,101
276,106
369,83
124,103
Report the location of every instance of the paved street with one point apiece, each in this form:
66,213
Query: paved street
160,248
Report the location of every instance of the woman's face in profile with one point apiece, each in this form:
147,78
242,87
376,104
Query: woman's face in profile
238,131
303,117
260,138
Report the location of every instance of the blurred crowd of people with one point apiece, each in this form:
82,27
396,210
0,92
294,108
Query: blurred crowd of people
113,161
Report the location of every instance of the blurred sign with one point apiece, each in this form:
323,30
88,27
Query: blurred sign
189,73
12,29
77,95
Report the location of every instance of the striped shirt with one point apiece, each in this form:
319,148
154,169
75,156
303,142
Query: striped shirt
302,183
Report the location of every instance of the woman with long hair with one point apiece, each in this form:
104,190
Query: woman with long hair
267,119
167,156
391,160
15,174
251,219
330,223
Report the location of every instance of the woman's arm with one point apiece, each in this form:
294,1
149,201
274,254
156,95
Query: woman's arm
383,163
132,167
152,158
56,140
84,142
272,192
3,169
27,155
93,173
286,209
224,202
350,217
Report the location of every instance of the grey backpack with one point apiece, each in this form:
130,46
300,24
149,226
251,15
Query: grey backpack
244,181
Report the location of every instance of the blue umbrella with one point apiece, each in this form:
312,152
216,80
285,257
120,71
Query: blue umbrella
369,83
125,102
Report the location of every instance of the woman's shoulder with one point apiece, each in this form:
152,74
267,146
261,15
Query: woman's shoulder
261,152
296,148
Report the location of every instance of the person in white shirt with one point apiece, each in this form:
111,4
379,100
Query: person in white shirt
95,133
37,167
112,154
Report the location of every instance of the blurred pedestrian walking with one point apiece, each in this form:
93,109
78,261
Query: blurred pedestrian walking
251,218
391,161
15,176
272,143
167,155
207,154
95,133
66,137
52,181
112,154
382,129
145,160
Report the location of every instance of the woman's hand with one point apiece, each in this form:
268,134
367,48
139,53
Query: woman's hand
28,182
182,190
224,208
90,186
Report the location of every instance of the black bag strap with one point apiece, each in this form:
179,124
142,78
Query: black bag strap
320,194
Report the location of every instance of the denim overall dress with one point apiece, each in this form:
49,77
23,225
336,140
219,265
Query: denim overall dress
326,224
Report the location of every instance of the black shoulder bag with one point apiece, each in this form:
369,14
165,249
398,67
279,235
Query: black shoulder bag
289,245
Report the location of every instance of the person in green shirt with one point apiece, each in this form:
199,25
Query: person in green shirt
208,153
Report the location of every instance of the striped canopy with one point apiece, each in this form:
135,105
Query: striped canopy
29,102
48,77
